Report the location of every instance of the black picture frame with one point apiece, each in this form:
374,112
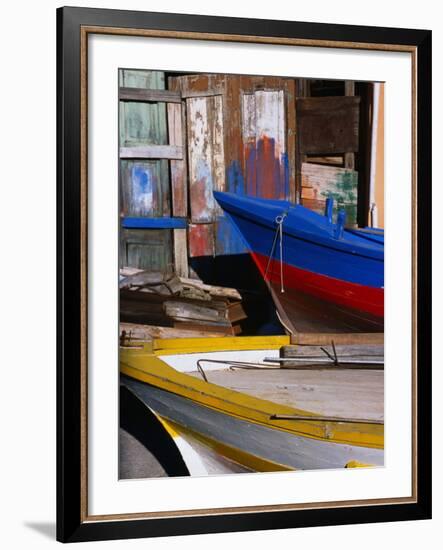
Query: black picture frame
72,523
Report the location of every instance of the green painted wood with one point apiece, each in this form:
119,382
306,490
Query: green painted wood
146,249
144,184
142,123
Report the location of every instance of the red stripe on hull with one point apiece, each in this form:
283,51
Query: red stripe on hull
337,291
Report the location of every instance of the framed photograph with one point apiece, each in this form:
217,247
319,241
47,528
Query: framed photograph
244,282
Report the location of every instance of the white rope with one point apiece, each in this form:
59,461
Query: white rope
278,233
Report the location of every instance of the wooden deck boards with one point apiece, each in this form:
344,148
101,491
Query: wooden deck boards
348,394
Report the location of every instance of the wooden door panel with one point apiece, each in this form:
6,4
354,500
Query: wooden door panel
145,188
206,155
328,125
264,139
146,249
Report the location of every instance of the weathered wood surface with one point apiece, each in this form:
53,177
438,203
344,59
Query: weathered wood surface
135,332
322,338
264,138
328,125
342,350
349,158
144,183
206,93
223,95
346,394
142,278
320,182
236,312
201,239
179,188
178,167
142,123
152,152
147,249
144,190
164,306
348,353
140,94
131,276
182,310
206,155
216,291
225,329
304,313
181,252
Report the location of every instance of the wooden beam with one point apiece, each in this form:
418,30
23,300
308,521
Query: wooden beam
205,93
181,252
152,152
321,339
154,223
152,96
179,190
349,158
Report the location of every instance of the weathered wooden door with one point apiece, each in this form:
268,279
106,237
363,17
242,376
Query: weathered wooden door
206,159
150,165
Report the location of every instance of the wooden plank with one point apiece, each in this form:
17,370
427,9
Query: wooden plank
178,167
144,184
217,134
327,160
349,158
133,332
152,152
140,94
264,136
291,137
186,94
194,324
344,394
142,123
180,311
181,252
144,189
219,291
179,191
201,175
322,339
330,181
201,240
206,155
308,193
146,249
342,350
328,125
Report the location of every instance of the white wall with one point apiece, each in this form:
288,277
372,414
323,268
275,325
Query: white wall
27,289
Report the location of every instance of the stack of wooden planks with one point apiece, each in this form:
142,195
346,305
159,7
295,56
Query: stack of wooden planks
166,300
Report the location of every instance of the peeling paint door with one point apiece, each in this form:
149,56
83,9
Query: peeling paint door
144,182
206,170
264,133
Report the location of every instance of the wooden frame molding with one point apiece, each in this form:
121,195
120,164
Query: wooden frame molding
74,523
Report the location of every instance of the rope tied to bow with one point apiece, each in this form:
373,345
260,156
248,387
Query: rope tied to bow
278,234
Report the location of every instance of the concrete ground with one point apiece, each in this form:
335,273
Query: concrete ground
135,461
